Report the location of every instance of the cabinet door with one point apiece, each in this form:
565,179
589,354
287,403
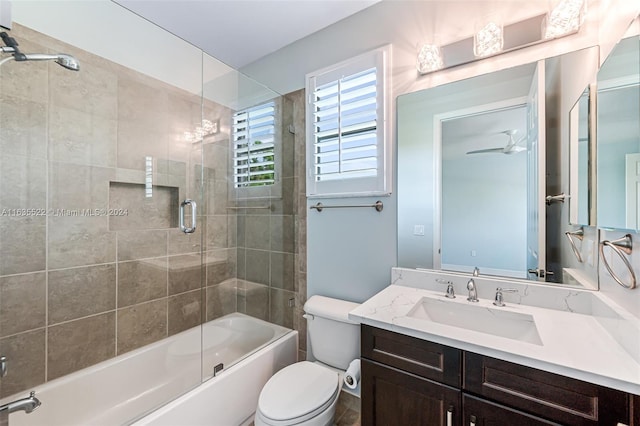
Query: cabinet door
479,412
635,409
561,399
393,397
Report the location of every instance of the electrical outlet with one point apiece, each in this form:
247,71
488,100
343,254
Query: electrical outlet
418,230
473,253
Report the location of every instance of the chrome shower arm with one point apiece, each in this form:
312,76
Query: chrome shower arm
40,57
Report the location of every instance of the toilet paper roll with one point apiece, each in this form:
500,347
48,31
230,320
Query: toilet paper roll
352,375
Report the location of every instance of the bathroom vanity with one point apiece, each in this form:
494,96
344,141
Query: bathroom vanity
548,356
409,381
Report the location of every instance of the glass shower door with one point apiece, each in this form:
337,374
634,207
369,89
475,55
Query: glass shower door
94,165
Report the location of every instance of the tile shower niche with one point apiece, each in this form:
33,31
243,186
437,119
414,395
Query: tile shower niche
132,207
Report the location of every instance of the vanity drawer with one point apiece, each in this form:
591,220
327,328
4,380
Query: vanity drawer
554,397
480,412
426,359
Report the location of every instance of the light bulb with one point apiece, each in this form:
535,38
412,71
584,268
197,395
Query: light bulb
429,59
488,40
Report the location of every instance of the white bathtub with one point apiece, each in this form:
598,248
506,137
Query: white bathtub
123,389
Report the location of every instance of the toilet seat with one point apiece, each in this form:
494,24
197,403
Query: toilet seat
298,393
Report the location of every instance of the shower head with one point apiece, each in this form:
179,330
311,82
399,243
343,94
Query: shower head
67,61
64,60
11,46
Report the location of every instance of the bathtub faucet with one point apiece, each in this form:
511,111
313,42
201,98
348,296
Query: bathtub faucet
25,404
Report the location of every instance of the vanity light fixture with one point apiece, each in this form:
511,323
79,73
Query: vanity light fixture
488,41
494,38
565,18
429,58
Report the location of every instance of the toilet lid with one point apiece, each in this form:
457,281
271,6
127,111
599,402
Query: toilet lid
298,390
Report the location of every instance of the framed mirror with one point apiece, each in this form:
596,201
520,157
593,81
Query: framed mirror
483,174
618,130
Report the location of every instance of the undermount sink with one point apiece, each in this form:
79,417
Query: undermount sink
498,322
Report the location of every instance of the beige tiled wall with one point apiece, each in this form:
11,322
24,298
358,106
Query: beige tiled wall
266,240
300,221
77,290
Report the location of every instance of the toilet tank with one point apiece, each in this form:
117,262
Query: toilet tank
334,339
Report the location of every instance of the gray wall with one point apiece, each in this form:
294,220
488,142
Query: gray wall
351,251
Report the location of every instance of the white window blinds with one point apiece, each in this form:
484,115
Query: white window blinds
253,146
346,149
345,124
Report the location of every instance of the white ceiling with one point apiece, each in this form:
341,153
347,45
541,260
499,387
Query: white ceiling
239,32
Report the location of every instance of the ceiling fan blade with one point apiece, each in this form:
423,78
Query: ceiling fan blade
514,149
486,151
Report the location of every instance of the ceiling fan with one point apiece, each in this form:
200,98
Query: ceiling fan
512,146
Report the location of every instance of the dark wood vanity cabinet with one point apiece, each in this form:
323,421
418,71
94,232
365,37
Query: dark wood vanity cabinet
408,381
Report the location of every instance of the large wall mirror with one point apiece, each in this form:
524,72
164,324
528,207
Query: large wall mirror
618,129
484,170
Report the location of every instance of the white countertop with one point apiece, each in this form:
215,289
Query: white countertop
588,347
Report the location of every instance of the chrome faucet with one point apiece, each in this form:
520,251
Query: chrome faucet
499,300
471,286
451,294
473,294
25,404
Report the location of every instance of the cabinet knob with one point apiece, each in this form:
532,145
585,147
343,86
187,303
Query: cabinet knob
472,421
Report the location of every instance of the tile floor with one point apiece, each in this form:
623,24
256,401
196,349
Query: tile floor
347,410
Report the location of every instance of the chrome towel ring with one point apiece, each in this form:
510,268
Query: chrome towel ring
622,246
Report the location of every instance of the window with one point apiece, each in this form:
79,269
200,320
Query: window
255,150
347,145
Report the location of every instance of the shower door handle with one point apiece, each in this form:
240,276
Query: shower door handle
183,228
3,365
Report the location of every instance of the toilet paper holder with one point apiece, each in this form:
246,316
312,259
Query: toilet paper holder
352,375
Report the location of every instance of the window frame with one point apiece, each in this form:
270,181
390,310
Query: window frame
273,190
381,184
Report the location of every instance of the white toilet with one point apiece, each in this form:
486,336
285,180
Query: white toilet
306,393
